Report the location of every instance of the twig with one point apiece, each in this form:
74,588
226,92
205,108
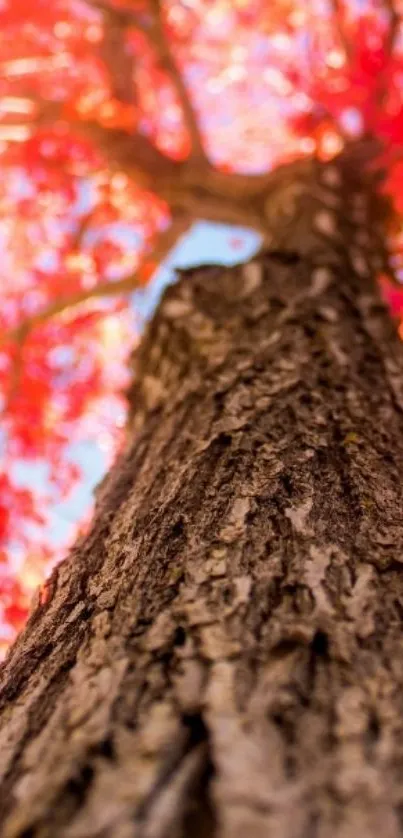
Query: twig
83,224
119,61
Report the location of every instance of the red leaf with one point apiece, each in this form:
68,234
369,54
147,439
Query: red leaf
16,615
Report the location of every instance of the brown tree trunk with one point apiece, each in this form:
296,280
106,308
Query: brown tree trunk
222,656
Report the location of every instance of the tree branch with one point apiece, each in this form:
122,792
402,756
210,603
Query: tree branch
161,247
155,32
165,241
160,42
113,49
134,153
124,16
83,225
190,186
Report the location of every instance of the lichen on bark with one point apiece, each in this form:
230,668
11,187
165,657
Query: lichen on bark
221,655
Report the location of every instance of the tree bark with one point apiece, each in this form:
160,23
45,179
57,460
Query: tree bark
221,657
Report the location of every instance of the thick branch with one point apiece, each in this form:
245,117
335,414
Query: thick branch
118,59
121,15
155,32
160,41
133,152
190,186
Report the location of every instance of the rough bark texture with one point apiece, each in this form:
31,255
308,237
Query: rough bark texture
222,656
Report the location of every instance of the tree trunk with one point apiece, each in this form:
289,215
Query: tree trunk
222,656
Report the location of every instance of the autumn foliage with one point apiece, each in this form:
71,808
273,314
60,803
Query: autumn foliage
97,99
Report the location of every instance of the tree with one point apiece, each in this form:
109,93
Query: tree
220,654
